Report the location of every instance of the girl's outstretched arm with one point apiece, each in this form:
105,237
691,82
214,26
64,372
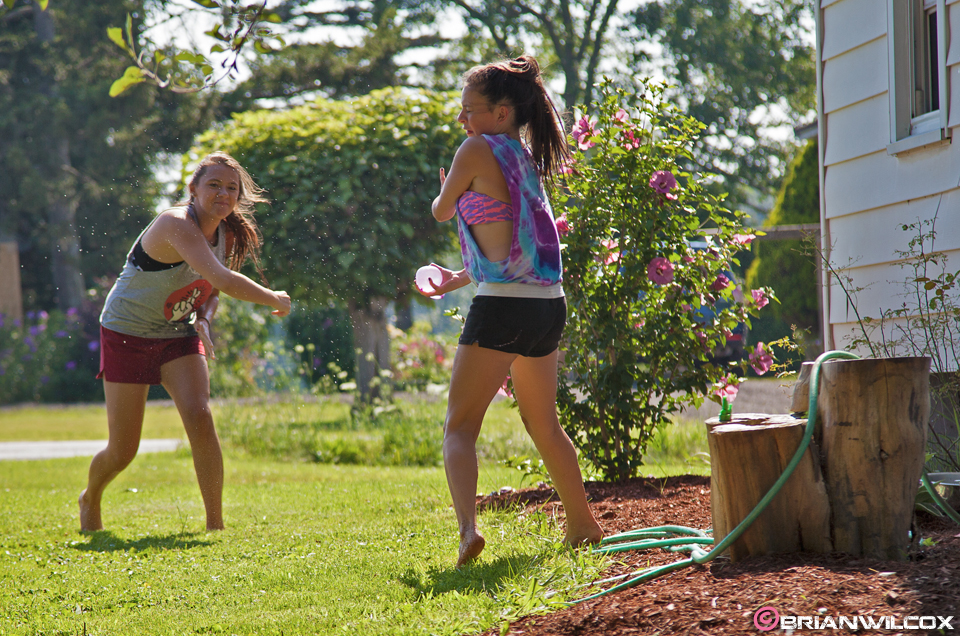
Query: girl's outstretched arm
185,237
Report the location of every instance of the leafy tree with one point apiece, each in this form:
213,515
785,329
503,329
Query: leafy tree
786,265
573,33
351,184
78,180
734,66
637,341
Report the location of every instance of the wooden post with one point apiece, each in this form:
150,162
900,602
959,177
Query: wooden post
747,456
874,414
11,295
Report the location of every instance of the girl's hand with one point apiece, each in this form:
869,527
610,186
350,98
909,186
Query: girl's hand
282,306
449,282
202,325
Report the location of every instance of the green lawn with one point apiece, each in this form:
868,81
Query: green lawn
359,547
308,549
81,422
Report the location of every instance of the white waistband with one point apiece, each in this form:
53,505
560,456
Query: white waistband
520,290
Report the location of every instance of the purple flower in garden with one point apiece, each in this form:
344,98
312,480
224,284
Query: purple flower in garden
34,331
61,334
663,182
71,365
563,225
17,323
721,283
726,389
31,315
581,133
760,359
660,271
42,315
760,298
93,345
73,311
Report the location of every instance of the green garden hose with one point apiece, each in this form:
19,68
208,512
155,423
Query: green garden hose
683,539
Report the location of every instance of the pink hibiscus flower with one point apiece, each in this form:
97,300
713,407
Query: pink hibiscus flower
663,182
621,116
504,390
726,389
613,246
631,142
581,133
721,283
760,298
660,271
563,225
760,359
743,239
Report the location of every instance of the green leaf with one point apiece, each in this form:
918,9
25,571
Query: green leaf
9,3
43,4
270,16
133,75
208,4
116,36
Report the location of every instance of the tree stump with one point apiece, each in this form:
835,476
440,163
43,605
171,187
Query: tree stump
747,456
874,415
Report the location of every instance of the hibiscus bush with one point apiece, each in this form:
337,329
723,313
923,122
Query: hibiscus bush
645,248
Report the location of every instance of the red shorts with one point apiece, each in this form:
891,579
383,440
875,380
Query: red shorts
133,360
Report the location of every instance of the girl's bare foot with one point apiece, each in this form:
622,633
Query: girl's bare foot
471,545
89,514
586,536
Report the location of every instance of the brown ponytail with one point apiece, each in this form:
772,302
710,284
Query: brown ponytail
246,234
518,83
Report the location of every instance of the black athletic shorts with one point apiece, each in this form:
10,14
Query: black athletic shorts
530,327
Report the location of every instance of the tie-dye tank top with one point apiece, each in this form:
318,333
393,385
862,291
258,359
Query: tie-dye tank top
535,253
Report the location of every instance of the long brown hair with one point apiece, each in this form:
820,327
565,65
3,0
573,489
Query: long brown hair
246,235
518,83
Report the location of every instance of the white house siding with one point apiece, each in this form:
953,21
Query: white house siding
867,194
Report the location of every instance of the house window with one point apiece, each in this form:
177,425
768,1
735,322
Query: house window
917,73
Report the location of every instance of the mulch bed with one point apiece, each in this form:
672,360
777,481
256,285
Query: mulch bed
722,597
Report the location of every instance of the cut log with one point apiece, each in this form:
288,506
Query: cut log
874,415
801,389
747,456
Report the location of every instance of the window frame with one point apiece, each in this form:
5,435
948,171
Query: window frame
906,131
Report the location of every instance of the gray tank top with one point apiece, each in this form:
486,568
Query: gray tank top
159,304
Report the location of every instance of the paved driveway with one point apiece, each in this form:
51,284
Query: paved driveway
78,448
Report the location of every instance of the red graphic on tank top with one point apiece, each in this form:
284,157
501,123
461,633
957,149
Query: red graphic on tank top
183,302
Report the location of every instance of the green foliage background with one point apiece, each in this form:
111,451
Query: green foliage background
53,98
783,264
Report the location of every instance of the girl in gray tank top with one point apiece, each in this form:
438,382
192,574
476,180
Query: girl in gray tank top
158,314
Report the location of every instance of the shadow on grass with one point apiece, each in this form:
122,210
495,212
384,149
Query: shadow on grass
484,577
106,541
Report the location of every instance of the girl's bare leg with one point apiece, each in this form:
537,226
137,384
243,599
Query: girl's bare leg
535,385
125,407
187,381
477,375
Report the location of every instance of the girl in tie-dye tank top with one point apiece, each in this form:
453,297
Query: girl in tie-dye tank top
511,250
